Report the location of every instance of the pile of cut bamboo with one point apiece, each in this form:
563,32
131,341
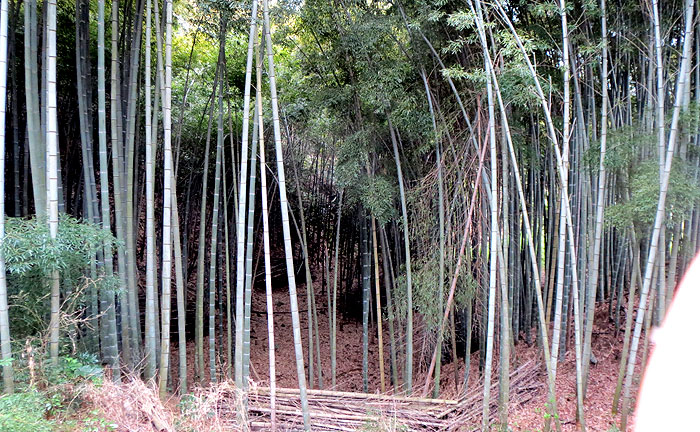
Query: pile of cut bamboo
346,411
525,382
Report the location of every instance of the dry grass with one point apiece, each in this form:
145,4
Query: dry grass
204,409
134,406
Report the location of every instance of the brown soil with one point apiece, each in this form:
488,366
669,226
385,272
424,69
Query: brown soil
601,386
529,416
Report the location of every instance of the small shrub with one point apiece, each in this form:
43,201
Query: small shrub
25,412
81,367
96,423
31,255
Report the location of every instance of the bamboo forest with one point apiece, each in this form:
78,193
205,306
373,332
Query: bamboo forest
349,215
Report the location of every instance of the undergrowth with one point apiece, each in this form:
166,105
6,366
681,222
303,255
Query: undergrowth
75,396
51,397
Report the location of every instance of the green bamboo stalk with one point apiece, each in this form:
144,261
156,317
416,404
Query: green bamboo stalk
242,188
166,265
334,309
266,245
180,290
378,302
309,281
215,212
108,323
227,257
389,306
366,293
441,240
408,377
150,352
131,327
250,223
660,210
494,245
285,221
199,301
37,150
82,65
600,205
52,169
5,348
117,171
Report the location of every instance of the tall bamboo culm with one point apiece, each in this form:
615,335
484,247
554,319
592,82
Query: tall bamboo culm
294,306
166,266
5,348
52,170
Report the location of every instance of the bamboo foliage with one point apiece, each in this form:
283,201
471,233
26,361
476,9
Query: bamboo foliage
538,203
660,209
600,205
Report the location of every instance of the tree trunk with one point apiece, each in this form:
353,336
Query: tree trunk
285,221
5,348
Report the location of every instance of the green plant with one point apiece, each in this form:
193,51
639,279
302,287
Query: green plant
683,193
29,250
425,278
25,412
30,257
96,423
188,404
81,367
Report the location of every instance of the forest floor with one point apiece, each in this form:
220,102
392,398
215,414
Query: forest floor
602,381
529,416
135,407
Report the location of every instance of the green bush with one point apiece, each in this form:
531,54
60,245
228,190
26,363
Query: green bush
30,257
81,367
640,209
425,280
25,412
